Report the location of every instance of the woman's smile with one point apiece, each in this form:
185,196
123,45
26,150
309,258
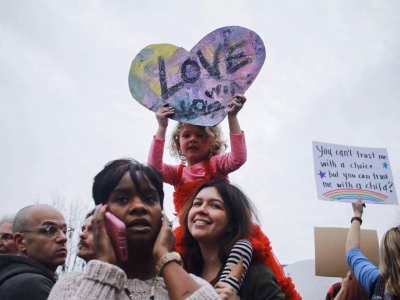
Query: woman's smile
208,219
200,222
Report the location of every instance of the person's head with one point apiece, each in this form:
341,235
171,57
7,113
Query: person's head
7,245
355,291
389,265
218,214
134,193
352,291
40,233
192,143
86,248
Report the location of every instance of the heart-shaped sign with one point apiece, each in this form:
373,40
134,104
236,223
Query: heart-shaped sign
198,84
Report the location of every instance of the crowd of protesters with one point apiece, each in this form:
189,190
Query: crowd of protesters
213,220
218,250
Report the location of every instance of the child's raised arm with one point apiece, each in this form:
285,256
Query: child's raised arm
162,118
156,151
236,105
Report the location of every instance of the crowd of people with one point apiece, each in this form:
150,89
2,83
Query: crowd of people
218,251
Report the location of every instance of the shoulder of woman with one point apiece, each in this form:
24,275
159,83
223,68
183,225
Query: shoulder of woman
256,269
74,276
105,273
260,283
68,284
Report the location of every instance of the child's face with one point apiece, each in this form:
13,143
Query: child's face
194,143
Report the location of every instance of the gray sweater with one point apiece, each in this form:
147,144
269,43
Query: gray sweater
105,281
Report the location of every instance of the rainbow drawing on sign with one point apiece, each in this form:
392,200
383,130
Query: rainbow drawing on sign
352,194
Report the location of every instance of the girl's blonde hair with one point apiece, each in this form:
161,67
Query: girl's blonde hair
218,146
389,265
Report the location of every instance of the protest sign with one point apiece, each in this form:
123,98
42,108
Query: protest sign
198,84
344,172
330,250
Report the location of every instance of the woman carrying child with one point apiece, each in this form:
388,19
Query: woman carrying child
214,220
201,149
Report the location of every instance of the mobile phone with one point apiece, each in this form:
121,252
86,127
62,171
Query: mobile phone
116,231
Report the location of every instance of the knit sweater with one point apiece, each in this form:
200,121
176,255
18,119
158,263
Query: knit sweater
106,281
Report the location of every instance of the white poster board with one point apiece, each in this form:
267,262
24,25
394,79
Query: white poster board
344,172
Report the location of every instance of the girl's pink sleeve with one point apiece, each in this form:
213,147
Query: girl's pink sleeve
155,159
229,162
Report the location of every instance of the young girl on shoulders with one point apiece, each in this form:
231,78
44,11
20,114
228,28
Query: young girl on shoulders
200,150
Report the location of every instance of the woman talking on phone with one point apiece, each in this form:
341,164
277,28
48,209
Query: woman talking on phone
132,192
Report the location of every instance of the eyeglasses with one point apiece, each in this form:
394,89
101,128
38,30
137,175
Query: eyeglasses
6,237
52,231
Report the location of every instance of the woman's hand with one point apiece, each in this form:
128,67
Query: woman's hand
226,291
358,207
102,243
165,240
162,115
236,105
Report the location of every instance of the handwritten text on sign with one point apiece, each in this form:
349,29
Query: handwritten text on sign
198,84
344,172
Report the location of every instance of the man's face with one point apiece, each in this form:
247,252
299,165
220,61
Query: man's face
50,251
86,249
7,245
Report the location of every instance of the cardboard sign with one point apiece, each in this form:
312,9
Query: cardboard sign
330,250
344,172
198,84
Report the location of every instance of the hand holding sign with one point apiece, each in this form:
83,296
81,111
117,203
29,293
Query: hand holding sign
198,85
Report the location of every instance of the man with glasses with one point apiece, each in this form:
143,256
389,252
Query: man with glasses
7,245
40,235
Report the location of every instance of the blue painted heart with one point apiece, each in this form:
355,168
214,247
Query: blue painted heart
198,84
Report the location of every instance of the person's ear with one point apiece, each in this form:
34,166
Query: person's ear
178,148
213,145
20,242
